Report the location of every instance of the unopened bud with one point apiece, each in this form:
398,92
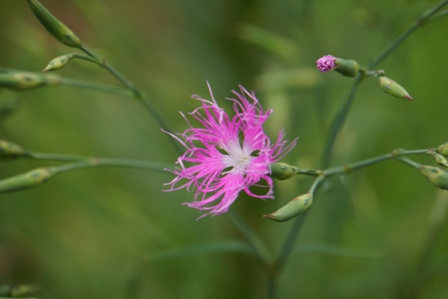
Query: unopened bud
435,175
440,160
57,63
9,150
281,171
326,63
61,32
292,209
346,67
61,61
443,149
26,80
393,88
26,180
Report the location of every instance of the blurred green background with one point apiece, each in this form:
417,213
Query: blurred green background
99,233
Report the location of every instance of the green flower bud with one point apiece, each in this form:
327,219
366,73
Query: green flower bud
9,150
281,171
292,209
435,175
57,63
443,149
393,88
26,180
347,67
440,160
26,80
61,61
61,32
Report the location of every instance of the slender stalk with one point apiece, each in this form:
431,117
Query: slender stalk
409,162
95,162
347,168
292,236
86,162
343,112
310,172
290,240
397,154
272,285
339,122
102,62
95,86
255,242
136,93
438,16
419,23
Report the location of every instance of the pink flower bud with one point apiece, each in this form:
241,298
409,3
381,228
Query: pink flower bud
326,63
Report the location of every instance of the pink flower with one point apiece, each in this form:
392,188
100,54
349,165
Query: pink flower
326,63
226,155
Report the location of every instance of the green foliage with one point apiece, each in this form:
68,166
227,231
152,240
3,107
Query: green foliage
112,233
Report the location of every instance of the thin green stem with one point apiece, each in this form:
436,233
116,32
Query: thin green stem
347,168
310,172
339,122
343,112
288,244
438,16
416,152
395,154
83,57
102,62
419,23
163,124
86,162
344,169
95,86
409,162
316,183
258,247
272,285
137,94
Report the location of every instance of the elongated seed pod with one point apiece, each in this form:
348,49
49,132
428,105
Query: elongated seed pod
30,179
55,27
436,176
292,209
10,150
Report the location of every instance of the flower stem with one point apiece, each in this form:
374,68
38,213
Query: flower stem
409,162
255,242
102,62
290,240
343,112
136,93
339,122
86,162
288,244
438,16
95,86
419,23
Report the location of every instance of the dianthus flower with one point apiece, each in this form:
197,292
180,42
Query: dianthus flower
326,63
226,155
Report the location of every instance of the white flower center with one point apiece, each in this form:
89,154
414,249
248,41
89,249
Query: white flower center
237,157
